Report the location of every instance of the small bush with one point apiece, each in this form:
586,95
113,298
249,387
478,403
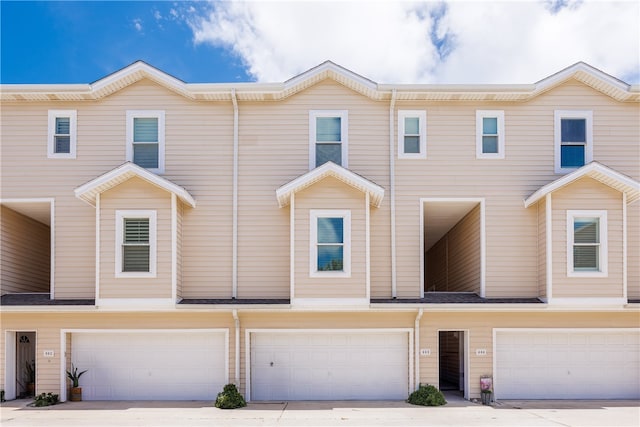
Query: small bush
427,395
45,399
230,398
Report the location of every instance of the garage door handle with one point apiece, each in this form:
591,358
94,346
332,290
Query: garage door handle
271,364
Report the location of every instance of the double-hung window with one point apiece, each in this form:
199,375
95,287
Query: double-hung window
135,243
330,240
412,134
145,139
490,139
328,137
62,134
586,243
573,137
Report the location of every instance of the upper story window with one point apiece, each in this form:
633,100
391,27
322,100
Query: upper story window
412,134
330,252
145,139
62,134
586,243
328,138
135,243
490,138
573,137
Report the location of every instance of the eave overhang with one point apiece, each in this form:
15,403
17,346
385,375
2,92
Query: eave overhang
137,71
330,169
89,191
596,171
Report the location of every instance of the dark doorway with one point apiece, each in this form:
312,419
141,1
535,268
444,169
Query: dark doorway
451,360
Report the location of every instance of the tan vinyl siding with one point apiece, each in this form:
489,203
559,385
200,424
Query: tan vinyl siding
587,194
135,194
274,149
25,253
633,250
542,248
454,260
330,194
180,210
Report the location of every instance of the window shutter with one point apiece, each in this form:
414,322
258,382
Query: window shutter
136,248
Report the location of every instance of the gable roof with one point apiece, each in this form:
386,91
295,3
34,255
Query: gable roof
330,169
89,191
139,70
594,170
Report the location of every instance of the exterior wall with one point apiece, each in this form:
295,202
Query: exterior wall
452,170
330,193
180,210
459,252
542,248
25,253
587,194
633,251
135,194
274,149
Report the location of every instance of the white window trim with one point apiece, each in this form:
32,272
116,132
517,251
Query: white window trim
422,118
344,131
313,238
158,114
588,149
481,114
120,216
73,122
603,248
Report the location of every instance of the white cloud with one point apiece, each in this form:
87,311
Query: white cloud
137,24
426,42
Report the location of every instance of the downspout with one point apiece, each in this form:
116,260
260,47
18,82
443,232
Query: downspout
416,341
392,191
234,262
236,319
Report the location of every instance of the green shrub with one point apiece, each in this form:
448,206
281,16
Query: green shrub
45,399
427,395
230,398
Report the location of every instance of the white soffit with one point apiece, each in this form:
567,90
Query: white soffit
137,71
597,171
89,191
376,193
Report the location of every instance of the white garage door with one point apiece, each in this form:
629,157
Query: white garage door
329,366
567,364
176,365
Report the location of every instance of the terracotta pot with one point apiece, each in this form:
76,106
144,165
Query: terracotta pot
31,389
75,394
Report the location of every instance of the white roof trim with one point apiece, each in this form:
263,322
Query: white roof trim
88,192
356,181
594,170
112,83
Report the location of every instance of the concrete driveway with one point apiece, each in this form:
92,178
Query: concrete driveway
343,413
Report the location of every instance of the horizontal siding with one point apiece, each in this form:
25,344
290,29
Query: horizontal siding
135,194
542,249
633,250
587,194
330,194
25,253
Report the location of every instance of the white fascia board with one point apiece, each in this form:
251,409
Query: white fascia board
284,193
86,192
632,186
300,79
572,70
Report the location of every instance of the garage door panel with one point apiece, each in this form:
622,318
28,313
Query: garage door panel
330,366
570,364
150,365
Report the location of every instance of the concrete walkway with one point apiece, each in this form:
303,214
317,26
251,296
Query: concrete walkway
457,412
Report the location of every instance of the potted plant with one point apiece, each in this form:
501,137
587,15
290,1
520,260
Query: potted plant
76,390
30,377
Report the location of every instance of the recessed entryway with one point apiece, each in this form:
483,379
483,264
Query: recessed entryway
20,364
329,365
451,361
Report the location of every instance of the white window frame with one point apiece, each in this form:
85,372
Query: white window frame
587,115
153,248
156,114
603,247
51,144
499,115
313,242
344,134
422,123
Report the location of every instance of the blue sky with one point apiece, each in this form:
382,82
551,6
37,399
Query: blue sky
388,42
